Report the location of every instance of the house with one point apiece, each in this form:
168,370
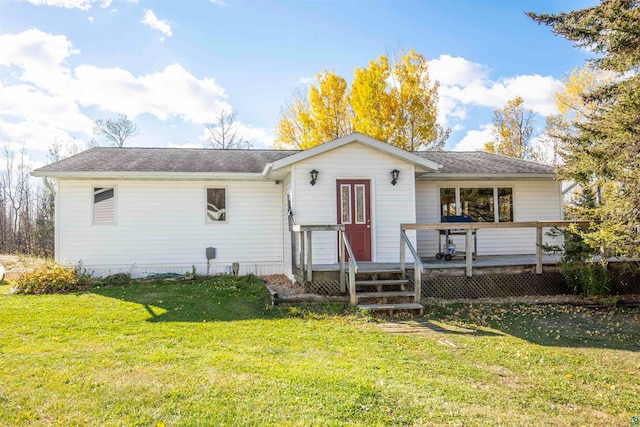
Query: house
156,210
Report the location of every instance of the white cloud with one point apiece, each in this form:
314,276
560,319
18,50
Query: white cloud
90,19
70,4
172,92
475,140
450,71
306,80
35,106
464,84
218,2
39,55
152,21
47,99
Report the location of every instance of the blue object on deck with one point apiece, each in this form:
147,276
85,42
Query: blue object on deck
457,218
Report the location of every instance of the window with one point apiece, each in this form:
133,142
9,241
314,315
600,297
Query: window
345,196
481,204
104,206
477,203
216,204
447,201
361,213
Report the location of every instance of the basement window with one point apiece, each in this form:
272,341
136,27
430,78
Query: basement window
481,204
216,204
104,205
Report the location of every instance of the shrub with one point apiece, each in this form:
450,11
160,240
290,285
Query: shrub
583,275
118,279
51,279
587,278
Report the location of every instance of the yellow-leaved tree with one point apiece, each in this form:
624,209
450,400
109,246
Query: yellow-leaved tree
394,103
414,104
513,131
370,100
322,116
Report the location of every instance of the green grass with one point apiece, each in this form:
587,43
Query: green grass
214,353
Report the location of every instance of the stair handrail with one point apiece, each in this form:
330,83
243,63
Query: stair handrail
417,264
353,269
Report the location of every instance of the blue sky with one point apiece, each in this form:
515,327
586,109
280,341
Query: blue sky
172,66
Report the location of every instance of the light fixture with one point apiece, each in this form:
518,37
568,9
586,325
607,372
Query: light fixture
314,177
394,176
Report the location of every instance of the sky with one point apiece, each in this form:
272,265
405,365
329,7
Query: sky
173,65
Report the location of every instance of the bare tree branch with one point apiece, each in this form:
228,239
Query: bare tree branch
113,132
223,132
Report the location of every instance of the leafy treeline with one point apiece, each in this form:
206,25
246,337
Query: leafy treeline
390,100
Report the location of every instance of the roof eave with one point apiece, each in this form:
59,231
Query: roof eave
160,176
486,177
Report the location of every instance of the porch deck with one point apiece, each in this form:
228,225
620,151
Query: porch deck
482,261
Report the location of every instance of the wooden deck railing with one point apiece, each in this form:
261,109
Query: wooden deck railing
417,264
470,226
304,234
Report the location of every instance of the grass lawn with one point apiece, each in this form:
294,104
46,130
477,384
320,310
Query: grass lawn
213,353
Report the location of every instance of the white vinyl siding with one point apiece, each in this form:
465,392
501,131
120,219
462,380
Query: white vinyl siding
390,205
160,227
532,201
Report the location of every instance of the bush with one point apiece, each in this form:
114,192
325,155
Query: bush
583,275
118,279
51,279
586,278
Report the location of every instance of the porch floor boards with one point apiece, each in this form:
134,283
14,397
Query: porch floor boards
456,262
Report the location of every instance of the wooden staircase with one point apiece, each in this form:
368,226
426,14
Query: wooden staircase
385,290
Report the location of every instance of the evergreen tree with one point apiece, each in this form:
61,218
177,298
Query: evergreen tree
604,148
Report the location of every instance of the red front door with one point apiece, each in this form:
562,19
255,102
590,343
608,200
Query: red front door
355,213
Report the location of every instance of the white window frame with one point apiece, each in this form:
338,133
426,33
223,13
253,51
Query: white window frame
496,212
342,205
226,203
364,204
114,220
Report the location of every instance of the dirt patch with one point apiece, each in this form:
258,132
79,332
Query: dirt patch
15,265
284,291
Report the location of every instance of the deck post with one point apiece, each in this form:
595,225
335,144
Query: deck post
403,248
417,282
294,236
539,249
309,258
353,299
302,260
343,286
468,247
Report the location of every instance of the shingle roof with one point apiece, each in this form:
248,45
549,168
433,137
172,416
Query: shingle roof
111,159
481,162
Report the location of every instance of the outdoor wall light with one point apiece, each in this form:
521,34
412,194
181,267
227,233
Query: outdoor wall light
394,176
314,177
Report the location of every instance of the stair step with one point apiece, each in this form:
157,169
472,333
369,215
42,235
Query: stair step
381,282
403,306
384,294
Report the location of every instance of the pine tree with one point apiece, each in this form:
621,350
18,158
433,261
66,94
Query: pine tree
604,148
